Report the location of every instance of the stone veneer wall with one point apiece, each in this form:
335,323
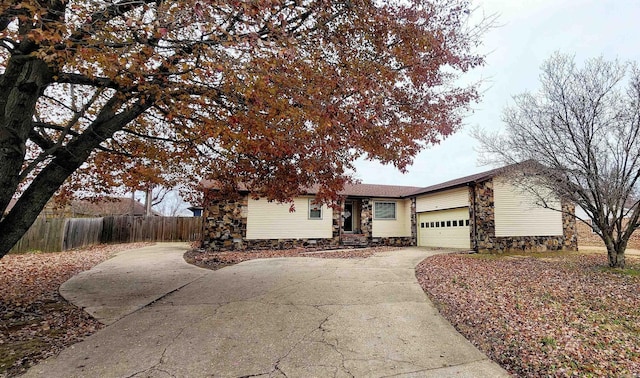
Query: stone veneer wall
414,223
258,244
336,224
485,227
225,225
399,241
366,217
225,229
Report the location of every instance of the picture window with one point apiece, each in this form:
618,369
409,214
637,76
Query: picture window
384,210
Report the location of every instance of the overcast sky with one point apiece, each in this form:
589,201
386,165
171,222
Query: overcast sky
528,32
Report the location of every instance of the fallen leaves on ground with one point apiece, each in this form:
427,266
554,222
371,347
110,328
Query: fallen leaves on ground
35,321
561,315
216,260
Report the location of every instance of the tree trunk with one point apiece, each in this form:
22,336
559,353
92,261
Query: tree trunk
616,255
23,81
66,161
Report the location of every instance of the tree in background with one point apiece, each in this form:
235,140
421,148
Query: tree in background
581,130
278,95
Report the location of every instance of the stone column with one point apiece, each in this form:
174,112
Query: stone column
337,223
569,229
225,226
485,216
366,218
414,222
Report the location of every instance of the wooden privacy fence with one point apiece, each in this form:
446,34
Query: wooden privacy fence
137,229
61,234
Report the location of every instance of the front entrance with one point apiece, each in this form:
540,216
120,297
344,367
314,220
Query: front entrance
347,215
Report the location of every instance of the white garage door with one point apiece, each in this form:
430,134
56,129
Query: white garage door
444,228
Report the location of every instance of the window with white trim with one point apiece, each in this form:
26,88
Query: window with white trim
315,210
384,210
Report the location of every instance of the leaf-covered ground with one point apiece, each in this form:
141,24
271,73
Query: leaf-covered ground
35,321
542,315
217,260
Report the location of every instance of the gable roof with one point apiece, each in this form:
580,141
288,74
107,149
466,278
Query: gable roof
354,190
462,181
395,191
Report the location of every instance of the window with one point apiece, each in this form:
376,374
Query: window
467,221
455,223
422,225
442,224
432,225
448,223
426,224
437,224
315,210
461,222
384,210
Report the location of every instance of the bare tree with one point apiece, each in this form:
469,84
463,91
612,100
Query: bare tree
581,128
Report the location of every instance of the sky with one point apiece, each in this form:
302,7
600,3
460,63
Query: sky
527,32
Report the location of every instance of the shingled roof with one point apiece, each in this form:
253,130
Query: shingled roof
354,190
462,181
395,191
374,190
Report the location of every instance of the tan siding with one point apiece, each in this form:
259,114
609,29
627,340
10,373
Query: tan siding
399,227
458,197
271,220
516,213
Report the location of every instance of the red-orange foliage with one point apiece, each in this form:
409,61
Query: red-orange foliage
278,94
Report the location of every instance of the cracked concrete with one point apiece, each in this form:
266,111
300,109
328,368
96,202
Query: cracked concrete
286,317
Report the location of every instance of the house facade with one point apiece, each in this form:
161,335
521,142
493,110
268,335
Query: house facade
368,215
481,212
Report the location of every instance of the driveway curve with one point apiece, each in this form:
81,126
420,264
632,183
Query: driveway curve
283,317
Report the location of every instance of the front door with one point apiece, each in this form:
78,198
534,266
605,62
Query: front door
347,216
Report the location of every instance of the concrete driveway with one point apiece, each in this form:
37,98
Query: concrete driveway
285,317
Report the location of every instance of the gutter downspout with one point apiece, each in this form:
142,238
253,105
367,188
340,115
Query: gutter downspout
474,229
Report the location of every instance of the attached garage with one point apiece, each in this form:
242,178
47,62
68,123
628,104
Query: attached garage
444,228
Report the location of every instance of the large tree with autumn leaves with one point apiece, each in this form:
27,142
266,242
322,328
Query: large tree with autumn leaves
277,94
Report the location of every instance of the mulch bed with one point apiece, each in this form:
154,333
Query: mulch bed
217,260
561,315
